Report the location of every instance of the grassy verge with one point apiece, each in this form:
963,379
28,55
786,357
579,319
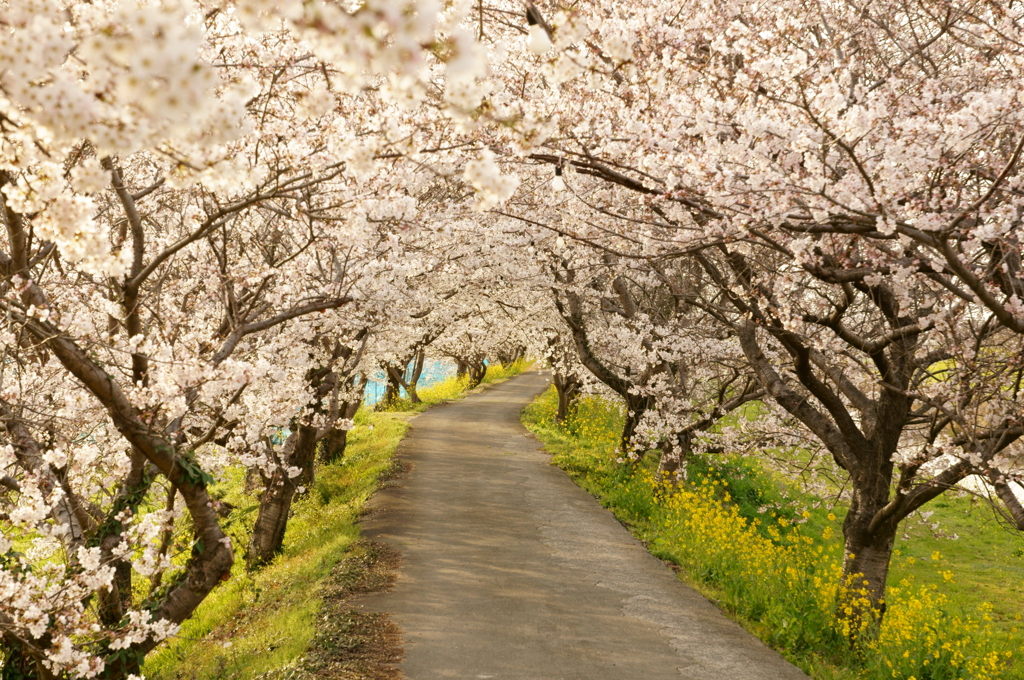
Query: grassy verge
261,621
271,622
769,556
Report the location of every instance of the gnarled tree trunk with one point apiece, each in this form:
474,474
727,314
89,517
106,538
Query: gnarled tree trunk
675,450
392,388
396,379
18,663
636,407
334,443
867,553
568,388
477,371
510,355
414,378
276,500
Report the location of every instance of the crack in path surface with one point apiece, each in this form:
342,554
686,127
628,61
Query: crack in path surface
511,571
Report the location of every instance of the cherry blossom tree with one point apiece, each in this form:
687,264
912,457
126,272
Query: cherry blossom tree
182,184
221,215
844,175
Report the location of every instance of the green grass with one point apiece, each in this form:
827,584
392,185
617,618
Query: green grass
258,622
986,562
261,622
763,510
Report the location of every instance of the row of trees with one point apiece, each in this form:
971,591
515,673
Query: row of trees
817,207
221,215
213,229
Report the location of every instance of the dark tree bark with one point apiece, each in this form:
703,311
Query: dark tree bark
636,405
414,378
568,388
821,397
567,382
276,500
392,387
675,451
477,371
678,447
211,559
510,354
299,451
334,443
158,447
396,380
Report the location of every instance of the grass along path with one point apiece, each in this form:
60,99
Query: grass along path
265,624
769,558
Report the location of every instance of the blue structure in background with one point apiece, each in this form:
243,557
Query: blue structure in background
434,371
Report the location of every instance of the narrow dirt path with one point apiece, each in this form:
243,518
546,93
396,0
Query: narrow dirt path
512,571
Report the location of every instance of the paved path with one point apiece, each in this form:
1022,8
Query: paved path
512,571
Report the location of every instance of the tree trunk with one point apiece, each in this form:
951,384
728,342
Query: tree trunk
307,480
414,379
865,570
568,388
114,601
510,355
635,409
1006,494
276,500
392,389
166,536
477,372
334,443
867,552
676,449
211,559
252,480
18,661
